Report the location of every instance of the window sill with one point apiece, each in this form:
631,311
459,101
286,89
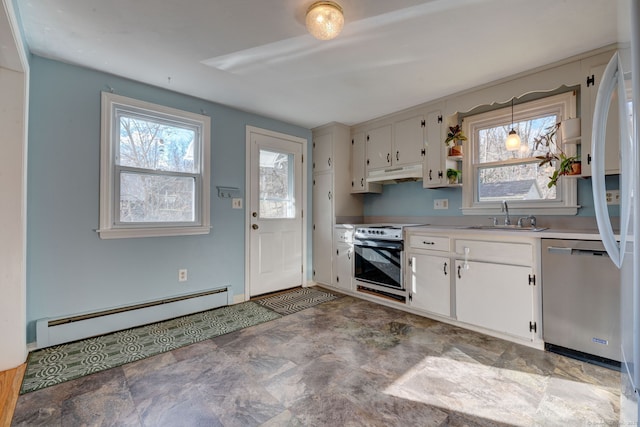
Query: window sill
125,233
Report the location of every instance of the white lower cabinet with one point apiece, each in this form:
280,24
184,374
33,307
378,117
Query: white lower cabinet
342,266
430,283
342,257
495,296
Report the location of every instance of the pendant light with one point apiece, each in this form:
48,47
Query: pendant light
513,140
324,20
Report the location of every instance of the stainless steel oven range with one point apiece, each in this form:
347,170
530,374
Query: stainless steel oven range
379,259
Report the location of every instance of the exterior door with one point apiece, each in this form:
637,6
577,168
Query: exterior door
275,212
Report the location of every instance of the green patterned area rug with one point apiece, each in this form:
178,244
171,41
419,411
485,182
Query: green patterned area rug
57,364
54,365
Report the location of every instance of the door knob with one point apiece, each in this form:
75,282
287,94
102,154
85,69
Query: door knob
255,226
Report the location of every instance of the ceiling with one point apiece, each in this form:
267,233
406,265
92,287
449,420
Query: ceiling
255,55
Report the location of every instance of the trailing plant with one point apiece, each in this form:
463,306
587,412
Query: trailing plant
555,154
455,134
453,175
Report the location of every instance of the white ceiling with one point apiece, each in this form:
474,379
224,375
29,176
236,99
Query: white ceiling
256,55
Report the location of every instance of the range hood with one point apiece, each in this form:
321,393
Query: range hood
396,174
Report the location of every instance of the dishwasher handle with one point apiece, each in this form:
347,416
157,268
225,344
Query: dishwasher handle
571,251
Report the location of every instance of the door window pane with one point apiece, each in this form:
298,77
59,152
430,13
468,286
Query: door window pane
276,185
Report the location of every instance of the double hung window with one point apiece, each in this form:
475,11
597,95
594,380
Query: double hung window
494,174
154,170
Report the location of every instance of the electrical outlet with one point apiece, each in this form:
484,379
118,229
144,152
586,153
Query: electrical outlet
613,197
236,203
441,204
182,275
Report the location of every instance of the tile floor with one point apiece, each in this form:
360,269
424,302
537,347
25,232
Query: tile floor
347,362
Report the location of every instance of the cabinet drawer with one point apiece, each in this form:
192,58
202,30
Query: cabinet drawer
432,243
505,253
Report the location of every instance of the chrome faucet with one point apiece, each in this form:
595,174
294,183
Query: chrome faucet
505,209
531,218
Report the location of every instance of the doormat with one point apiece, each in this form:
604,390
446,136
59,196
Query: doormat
296,300
65,362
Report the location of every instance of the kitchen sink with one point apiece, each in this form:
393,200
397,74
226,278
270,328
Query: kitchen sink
503,227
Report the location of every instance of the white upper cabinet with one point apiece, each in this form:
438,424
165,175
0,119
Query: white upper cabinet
408,141
435,170
322,153
400,143
379,147
593,68
359,182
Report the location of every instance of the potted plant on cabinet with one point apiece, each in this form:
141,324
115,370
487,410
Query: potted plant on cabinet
564,163
453,175
455,136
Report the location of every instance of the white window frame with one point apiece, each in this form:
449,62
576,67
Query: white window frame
110,228
564,105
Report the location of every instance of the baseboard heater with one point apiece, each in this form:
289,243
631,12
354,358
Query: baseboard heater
54,331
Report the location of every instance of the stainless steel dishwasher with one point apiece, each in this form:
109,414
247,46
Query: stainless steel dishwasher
580,301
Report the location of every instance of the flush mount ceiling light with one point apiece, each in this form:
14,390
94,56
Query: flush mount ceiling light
324,20
513,140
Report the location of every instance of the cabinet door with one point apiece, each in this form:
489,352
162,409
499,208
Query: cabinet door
435,170
612,149
342,270
408,141
379,147
495,296
322,227
430,283
322,152
358,159
359,182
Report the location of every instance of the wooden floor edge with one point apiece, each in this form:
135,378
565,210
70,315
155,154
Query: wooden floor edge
10,382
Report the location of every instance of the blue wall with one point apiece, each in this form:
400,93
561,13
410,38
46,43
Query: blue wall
69,269
410,199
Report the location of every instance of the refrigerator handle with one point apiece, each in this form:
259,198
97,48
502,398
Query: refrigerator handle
611,77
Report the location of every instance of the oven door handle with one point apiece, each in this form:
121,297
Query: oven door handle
380,245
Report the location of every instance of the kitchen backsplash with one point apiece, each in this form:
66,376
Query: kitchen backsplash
409,199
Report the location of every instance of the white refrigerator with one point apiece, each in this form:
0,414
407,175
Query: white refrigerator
625,250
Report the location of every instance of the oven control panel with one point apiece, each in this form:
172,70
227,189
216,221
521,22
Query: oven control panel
380,233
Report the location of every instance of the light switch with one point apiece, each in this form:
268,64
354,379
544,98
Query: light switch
236,203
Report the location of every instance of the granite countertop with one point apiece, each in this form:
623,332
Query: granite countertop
550,233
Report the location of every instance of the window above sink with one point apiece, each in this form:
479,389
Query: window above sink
494,174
